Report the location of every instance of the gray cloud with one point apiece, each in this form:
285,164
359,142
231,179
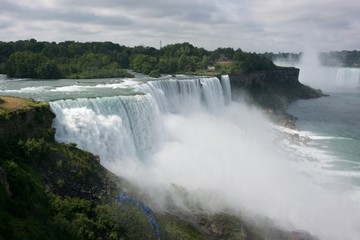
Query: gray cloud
253,25
5,25
64,15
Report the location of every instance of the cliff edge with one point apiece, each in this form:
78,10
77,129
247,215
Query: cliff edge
273,91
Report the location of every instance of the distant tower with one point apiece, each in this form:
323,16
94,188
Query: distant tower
160,44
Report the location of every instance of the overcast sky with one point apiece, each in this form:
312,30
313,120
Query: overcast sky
252,25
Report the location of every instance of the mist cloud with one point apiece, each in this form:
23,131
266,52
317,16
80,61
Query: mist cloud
227,158
226,162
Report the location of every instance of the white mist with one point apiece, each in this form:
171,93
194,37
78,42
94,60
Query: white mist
226,159
326,78
231,162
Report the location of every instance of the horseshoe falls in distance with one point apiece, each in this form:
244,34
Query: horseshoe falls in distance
188,134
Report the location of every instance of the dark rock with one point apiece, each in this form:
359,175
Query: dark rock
273,91
4,181
224,226
301,235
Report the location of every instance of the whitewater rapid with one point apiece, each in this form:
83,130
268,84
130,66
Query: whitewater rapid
185,142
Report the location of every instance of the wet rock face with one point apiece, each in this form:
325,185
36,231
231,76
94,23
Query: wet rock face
263,78
301,235
224,226
272,89
3,181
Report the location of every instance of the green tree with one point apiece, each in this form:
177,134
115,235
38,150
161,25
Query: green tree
31,65
48,70
123,58
187,63
51,50
167,65
143,63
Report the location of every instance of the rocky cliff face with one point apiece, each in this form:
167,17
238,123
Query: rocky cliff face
263,78
273,90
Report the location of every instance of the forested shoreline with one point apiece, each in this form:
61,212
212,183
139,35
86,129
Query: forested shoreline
81,60
70,59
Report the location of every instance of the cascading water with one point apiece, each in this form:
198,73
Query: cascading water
130,127
175,95
172,95
213,93
113,127
225,82
348,77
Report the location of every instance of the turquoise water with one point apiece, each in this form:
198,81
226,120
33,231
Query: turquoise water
333,125
48,90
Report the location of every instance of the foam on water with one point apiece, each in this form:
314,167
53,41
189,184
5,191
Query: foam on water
26,90
69,89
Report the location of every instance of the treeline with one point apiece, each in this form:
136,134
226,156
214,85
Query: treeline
70,59
44,60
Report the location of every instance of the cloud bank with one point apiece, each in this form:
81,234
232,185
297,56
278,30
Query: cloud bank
266,25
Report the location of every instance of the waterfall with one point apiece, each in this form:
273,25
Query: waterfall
172,143
176,95
130,127
225,83
330,78
112,127
348,77
212,94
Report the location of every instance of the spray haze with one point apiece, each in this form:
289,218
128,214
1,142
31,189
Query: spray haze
326,78
210,155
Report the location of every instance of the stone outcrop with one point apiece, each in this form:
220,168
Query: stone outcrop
280,75
273,91
26,122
